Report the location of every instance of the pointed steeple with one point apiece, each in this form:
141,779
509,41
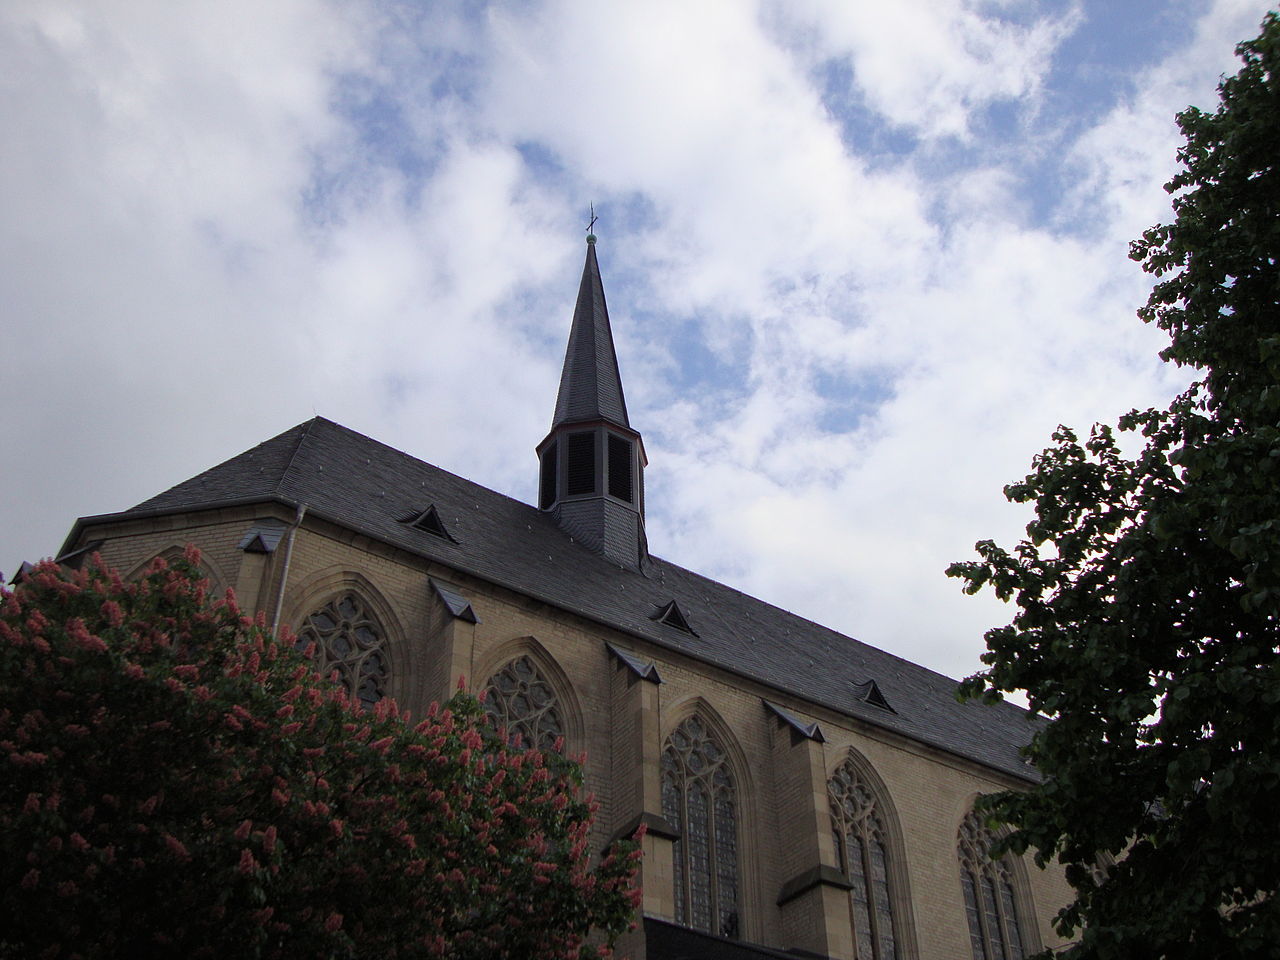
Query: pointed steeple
592,462
590,386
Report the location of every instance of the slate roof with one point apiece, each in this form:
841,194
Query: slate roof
365,486
590,385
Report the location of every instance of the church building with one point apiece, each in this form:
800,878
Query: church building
806,794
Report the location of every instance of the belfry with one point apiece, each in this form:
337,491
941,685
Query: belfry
592,463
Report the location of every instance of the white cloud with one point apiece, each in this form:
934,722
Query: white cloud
927,65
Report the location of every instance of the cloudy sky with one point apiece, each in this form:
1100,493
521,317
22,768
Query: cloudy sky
861,258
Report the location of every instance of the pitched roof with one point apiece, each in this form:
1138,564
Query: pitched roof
367,486
590,386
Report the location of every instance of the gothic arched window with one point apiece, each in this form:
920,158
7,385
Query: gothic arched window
699,799
521,701
349,639
988,895
861,847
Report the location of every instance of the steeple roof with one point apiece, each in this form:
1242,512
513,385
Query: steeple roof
590,386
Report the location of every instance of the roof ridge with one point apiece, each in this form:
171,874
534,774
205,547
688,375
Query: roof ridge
306,432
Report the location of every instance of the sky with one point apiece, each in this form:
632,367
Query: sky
860,259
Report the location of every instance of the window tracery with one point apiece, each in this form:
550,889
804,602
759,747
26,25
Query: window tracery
861,848
349,639
520,700
699,799
989,900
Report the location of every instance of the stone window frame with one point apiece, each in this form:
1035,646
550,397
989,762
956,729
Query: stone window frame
312,593
902,908
366,657
549,668
999,913
540,724
731,766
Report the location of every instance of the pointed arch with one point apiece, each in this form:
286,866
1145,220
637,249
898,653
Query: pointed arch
355,631
707,794
527,691
872,855
996,894
176,551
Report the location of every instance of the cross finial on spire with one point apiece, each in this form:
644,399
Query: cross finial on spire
591,237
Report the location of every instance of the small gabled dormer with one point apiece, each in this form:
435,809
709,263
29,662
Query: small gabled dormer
591,464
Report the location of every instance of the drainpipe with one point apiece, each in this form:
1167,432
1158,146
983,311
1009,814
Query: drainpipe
284,574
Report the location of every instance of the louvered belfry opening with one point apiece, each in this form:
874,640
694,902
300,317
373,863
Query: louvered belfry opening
550,470
620,483
592,462
580,464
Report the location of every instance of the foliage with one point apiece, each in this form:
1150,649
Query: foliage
1148,589
176,782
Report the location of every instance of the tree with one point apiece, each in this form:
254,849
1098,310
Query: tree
1148,589
176,782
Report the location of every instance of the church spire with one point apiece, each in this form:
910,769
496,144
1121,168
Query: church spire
590,386
592,462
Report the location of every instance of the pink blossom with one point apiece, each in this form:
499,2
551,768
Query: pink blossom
247,863
176,847
242,831
30,879
80,634
112,613
333,922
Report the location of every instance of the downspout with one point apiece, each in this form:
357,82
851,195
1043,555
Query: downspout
284,573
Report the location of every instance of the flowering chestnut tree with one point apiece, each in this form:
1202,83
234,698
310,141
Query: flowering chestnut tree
176,781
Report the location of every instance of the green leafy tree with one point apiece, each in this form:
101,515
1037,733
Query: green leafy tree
176,782
1148,588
